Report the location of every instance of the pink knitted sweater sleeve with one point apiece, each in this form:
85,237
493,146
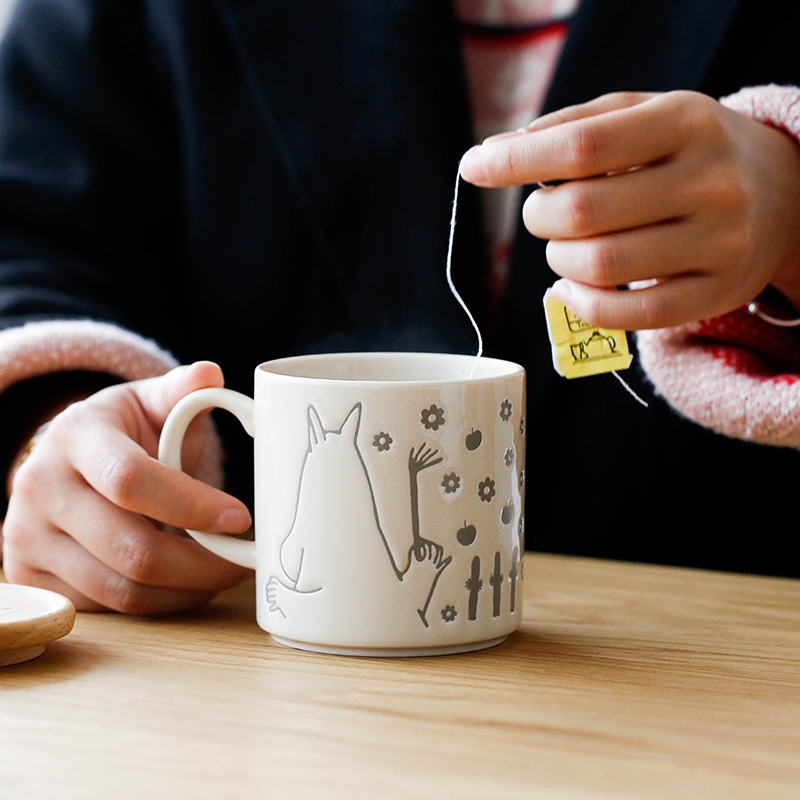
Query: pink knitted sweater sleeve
735,374
39,348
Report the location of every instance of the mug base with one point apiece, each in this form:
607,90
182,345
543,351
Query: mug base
391,652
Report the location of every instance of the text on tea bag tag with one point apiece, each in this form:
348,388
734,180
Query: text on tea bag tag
580,349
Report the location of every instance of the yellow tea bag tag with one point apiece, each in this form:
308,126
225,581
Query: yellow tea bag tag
580,349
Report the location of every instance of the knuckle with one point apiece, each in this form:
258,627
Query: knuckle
653,311
135,559
581,210
123,595
37,490
585,144
735,252
120,478
68,423
16,571
515,161
19,548
604,264
30,485
699,116
728,191
15,536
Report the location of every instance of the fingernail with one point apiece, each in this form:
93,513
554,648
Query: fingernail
472,166
233,520
563,291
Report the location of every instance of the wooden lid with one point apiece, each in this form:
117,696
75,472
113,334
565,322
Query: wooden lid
29,619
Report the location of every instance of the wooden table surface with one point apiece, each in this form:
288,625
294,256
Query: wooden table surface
625,681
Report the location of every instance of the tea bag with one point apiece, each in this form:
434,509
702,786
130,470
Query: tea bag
580,349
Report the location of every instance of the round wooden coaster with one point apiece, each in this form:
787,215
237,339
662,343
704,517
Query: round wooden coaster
29,619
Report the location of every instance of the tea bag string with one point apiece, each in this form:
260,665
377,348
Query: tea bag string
629,390
449,273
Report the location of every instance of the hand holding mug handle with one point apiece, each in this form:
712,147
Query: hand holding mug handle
237,551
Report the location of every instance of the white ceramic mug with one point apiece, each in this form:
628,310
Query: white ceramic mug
389,499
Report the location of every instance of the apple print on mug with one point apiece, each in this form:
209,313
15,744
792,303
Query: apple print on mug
473,440
466,535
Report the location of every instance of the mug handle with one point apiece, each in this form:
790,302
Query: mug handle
238,551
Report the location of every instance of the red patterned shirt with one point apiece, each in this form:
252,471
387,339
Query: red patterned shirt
510,52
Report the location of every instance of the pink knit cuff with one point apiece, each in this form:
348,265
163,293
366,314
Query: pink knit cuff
774,105
735,374
39,348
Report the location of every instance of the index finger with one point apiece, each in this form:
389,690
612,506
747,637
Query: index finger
585,147
119,469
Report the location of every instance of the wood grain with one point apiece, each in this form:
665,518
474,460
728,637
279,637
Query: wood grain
625,681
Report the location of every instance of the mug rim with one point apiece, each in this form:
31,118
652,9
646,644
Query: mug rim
499,368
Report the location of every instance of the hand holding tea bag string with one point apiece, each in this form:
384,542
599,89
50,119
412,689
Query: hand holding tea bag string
693,204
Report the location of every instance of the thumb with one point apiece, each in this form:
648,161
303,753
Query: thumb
158,396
